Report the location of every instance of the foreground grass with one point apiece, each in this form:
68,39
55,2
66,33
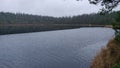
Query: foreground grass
109,57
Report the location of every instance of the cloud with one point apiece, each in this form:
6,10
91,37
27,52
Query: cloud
55,8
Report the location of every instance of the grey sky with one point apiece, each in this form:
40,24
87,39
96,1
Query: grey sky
55,8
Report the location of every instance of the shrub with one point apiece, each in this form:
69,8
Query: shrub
116,65
117,38
116,27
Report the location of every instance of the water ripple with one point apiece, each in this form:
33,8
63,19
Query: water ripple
6,64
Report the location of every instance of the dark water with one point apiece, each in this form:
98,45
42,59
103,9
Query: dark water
54,49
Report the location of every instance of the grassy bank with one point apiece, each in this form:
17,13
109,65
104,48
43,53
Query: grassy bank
109,57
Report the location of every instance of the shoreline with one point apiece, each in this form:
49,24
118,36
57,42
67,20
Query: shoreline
108,56
6,29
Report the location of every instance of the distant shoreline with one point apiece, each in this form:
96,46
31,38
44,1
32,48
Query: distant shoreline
27,28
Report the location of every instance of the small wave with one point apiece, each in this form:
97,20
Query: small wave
6,64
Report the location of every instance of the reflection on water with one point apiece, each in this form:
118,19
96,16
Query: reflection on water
54,49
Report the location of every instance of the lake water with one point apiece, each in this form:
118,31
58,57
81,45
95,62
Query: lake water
73,48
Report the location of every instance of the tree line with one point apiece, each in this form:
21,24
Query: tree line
22,23
21,18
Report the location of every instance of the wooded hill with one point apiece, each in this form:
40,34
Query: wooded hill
21,18
21,23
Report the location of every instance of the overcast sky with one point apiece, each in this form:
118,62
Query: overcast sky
55,8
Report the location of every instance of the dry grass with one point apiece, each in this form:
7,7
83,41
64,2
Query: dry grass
108,56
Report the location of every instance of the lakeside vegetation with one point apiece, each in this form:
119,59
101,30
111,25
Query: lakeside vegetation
22,23
109,57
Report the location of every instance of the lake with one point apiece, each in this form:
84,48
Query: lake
73,48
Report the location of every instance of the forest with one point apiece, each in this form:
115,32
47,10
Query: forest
21,23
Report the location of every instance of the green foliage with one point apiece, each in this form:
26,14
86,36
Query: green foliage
116,27
116,65
117,38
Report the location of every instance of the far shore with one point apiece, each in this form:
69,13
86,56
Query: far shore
27,28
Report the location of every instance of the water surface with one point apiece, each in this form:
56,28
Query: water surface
74,48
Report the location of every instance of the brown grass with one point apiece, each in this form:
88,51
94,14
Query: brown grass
108,56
